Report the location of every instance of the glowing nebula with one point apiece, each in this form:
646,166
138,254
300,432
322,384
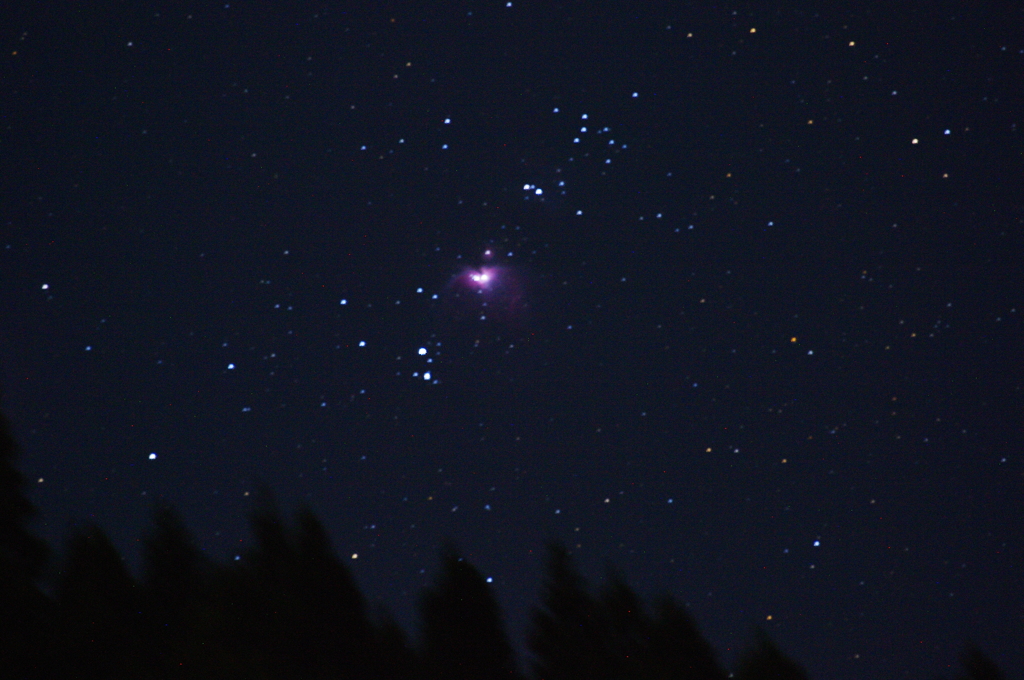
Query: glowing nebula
485,278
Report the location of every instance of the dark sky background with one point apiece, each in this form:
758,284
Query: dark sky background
750,327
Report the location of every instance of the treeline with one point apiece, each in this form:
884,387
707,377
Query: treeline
290,609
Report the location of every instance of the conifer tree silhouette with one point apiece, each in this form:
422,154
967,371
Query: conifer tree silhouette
291,610
765,661
396,656
177,600
463,634
98,612
679,651
334,624
174,569
576,636
300,609
24,611
977,666
627,630
567,636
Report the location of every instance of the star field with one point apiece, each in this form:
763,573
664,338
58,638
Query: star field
728,298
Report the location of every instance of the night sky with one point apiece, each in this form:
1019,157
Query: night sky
727,297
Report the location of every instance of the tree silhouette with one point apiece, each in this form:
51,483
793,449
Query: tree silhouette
98,613
575,635
336,626
23,624
177,602
291,610
977,666
567,636
463,634
174,570
627,630
297,606
397,658
679,651
765,661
